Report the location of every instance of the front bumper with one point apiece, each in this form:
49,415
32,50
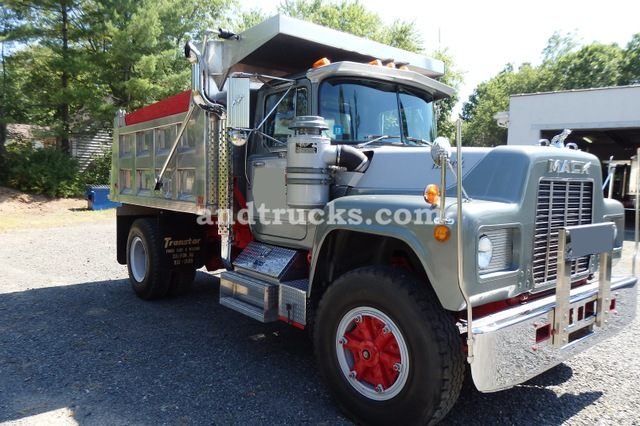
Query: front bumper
512,346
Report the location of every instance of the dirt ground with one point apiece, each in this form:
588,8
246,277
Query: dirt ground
19,210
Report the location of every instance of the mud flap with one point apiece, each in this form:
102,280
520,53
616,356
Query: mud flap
182,240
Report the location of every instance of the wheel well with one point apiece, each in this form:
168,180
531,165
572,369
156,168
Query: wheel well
345,250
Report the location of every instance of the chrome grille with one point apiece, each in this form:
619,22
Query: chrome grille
560,203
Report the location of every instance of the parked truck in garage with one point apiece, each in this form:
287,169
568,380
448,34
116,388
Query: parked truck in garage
304,164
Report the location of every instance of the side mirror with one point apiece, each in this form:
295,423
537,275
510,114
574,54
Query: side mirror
440,151
238,137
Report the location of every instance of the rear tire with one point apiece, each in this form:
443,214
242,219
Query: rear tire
149,278
389,353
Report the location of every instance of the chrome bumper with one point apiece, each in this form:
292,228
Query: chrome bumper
512,346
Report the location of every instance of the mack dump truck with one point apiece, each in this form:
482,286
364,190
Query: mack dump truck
304,166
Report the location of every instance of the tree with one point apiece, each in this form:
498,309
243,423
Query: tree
10,20
491,97
630,67
558,46
249,19
138,46
454,78
87,58
595,65
352,17
52,21
52,31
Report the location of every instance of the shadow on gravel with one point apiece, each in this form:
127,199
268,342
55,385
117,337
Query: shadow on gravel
529,403
114,359
111,358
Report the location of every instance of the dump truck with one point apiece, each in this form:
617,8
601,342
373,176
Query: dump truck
305,168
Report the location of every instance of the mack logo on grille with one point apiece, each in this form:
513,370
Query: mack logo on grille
569,166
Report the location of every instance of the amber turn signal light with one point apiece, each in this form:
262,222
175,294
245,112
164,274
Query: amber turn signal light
432,194
441,233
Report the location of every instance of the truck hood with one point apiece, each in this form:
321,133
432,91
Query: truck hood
408,170
497,174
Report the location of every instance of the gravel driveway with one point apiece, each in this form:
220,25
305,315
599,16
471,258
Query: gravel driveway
77,347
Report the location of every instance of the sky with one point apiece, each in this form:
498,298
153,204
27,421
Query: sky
484,36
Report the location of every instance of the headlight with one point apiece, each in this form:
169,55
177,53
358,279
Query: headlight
485,251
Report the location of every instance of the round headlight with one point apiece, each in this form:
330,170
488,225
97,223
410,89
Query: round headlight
485,251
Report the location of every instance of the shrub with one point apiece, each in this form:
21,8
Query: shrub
42,171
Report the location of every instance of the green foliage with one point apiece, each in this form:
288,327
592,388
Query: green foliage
250,19
351,16
558,46
41,171
596,65
491,97
51,172
79,61
453,77
630,69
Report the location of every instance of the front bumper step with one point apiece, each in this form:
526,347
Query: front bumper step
513,346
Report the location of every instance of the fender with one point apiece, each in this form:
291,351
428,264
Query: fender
407,218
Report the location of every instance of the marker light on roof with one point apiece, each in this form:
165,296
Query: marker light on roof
321,62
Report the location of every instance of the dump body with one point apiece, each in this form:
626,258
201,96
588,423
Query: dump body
141,148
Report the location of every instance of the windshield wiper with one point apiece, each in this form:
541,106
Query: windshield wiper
375,139
418,140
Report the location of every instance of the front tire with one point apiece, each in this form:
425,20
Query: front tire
149,278
389,353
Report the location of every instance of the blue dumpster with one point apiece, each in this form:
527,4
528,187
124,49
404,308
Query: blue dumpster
97,197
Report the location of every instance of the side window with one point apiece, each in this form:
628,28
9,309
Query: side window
277,125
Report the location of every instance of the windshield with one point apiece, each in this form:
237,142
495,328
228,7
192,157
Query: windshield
368,112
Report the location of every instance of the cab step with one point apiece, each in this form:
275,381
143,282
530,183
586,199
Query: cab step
248,295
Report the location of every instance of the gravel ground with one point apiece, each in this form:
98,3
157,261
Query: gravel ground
77,347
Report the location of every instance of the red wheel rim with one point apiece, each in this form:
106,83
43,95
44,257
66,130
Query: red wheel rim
372,353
